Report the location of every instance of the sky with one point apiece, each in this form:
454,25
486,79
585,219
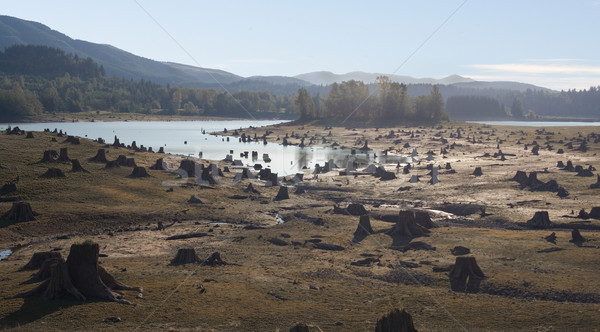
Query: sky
554,44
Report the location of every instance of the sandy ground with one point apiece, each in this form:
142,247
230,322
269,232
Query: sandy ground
267,286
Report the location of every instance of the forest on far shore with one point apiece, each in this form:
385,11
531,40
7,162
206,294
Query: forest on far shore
40,79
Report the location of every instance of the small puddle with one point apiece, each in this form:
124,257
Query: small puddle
5,253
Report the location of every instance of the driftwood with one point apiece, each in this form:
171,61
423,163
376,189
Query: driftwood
185,256
466,275
19,212
395,321
81,277
100,157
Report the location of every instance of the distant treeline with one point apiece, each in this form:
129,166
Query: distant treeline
36,79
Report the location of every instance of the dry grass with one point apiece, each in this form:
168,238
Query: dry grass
318,287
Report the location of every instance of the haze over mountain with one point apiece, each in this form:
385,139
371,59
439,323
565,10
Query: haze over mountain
120,63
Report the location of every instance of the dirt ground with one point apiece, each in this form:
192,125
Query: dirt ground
276,274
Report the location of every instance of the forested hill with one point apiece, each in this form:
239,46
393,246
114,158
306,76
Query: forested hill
36,79
116,62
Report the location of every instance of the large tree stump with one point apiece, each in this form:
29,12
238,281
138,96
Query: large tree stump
121,160
282,194
520,177
45,270
595,212
73,140
540,220
466,275
8,188
139,172
363,229
38,258
64,155
80,276
19,212
185,256
576,237
76,166
83,270
477,171
189,167
49,156
53,172
100,157
395,321
406,229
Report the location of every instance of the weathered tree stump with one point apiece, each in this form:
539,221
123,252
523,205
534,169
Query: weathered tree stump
214,260
477,171
8,188
73,140
576,237
53,172
595,185
551,238
100,157
520,177
63,156
76,166
595,212
112,164
195,200
130,162
38,258
159,165
139,172
189,167
19,212
356,209
121,160
250,189
540,220
29,134
406,229
363,229
300,327
49,156
45,271
80,276
466,275
282,194
116,143
395,321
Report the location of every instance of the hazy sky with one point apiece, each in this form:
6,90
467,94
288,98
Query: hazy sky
555,44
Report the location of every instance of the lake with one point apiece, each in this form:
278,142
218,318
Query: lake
187,138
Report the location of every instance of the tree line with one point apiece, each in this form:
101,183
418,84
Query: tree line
36,79
353,101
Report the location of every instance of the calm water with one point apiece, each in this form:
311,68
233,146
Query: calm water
173,135
540,123
5,253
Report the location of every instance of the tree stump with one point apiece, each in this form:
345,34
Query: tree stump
29,134
80,276
76,166
45,271
466,275
161,150
73,140
595,212
395,321
551,238
520,177
19,212
116,143
121,160
53,173
63,156
477,171
576,237
38,258
540,220
406,229
112,164
595,185
130,162
159,165
49,156
195,200
300,327
356,209
100,157
189,167
532,180
282,194
8,188
250,189
214,260
139,172
363,229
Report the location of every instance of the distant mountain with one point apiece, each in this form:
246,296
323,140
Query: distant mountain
499,85
280,80
326,78
115,61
